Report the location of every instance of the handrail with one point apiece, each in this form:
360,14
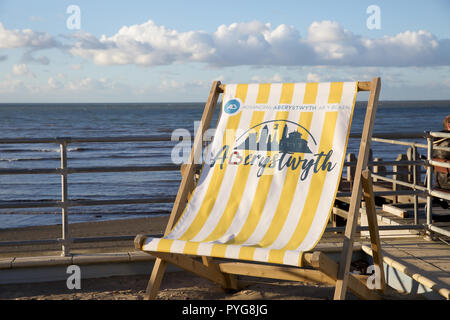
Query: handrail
163,167
59,140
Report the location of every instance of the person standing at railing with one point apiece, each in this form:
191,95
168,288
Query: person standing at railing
443,174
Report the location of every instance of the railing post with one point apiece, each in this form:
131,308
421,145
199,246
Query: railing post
416,197
64,197
429,179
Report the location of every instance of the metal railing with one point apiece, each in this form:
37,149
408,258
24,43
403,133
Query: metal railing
65,203
426,190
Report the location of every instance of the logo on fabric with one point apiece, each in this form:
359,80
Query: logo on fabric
288,142
285,145
232,106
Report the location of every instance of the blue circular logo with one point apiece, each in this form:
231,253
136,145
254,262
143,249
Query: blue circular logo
232,106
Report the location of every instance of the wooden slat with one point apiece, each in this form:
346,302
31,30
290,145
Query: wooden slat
399,212
340,212
364,85
363,159
275,272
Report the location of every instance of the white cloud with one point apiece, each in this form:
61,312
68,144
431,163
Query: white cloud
272,79
313,77
256,43
76,67
88,84
25,38
145,44
241,43
28,57
10,85
54,83
20,69
182,85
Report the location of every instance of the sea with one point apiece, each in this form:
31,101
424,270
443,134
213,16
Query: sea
44,120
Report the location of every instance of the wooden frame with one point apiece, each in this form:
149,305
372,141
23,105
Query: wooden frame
321,268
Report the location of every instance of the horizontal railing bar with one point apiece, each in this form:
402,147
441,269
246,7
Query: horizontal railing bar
385,193
30,204
399,182
381,228
167,167
388,163
110,238
58,140
85,140
72,240
84,203
403,143
30,171
28,242
434,193
439,194
439,230
79,203
163,167
439,164
439,134
390,135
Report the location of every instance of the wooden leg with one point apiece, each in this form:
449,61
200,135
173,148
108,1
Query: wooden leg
373,227
355,202
155,279
231,280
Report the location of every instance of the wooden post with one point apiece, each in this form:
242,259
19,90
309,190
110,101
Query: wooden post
355,202
351,170
186,185
381,170
401,175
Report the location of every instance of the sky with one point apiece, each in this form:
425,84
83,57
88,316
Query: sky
171,51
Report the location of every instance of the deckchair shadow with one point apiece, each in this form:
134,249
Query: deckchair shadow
263,195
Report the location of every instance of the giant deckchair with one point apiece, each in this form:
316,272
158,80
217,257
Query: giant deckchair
266,189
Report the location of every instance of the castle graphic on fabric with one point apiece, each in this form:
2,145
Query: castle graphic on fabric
289,142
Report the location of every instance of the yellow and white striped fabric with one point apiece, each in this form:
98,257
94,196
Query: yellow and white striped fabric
267,188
